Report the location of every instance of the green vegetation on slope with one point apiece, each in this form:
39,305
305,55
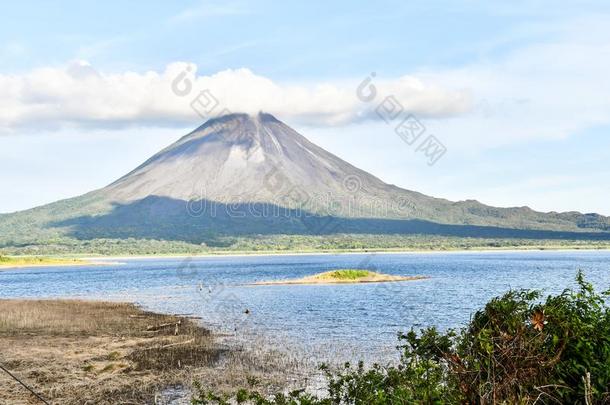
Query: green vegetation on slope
91,224
519,349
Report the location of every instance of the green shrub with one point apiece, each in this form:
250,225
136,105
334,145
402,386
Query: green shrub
349,274
517,349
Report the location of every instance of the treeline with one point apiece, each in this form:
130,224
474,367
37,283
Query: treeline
282,243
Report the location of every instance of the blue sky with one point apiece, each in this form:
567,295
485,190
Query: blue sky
516,91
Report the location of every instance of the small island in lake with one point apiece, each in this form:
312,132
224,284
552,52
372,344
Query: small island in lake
344,276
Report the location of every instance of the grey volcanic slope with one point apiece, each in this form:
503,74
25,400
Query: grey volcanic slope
257,175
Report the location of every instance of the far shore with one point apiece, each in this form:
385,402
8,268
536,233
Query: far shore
101,260
345,252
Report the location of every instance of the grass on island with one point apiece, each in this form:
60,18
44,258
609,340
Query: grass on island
347,274
22,261
344,276
75,352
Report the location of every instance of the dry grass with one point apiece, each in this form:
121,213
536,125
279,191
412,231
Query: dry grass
81,352
26,261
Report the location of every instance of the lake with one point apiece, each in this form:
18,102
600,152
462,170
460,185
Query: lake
324,322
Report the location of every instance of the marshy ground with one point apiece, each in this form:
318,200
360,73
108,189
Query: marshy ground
82,352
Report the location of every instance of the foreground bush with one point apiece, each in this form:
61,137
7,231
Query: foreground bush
518,349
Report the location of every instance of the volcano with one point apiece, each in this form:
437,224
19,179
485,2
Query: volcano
243,174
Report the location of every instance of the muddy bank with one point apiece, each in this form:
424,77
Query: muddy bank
82,352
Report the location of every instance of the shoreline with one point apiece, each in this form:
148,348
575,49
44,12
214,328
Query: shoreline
100,260
343,252
116,260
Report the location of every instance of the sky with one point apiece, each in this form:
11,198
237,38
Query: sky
516,92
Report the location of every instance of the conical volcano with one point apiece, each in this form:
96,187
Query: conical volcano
243,174
245,158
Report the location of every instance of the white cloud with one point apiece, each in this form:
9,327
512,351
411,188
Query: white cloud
79,95
547,90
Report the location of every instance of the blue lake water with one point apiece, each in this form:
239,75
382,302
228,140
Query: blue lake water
324,321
